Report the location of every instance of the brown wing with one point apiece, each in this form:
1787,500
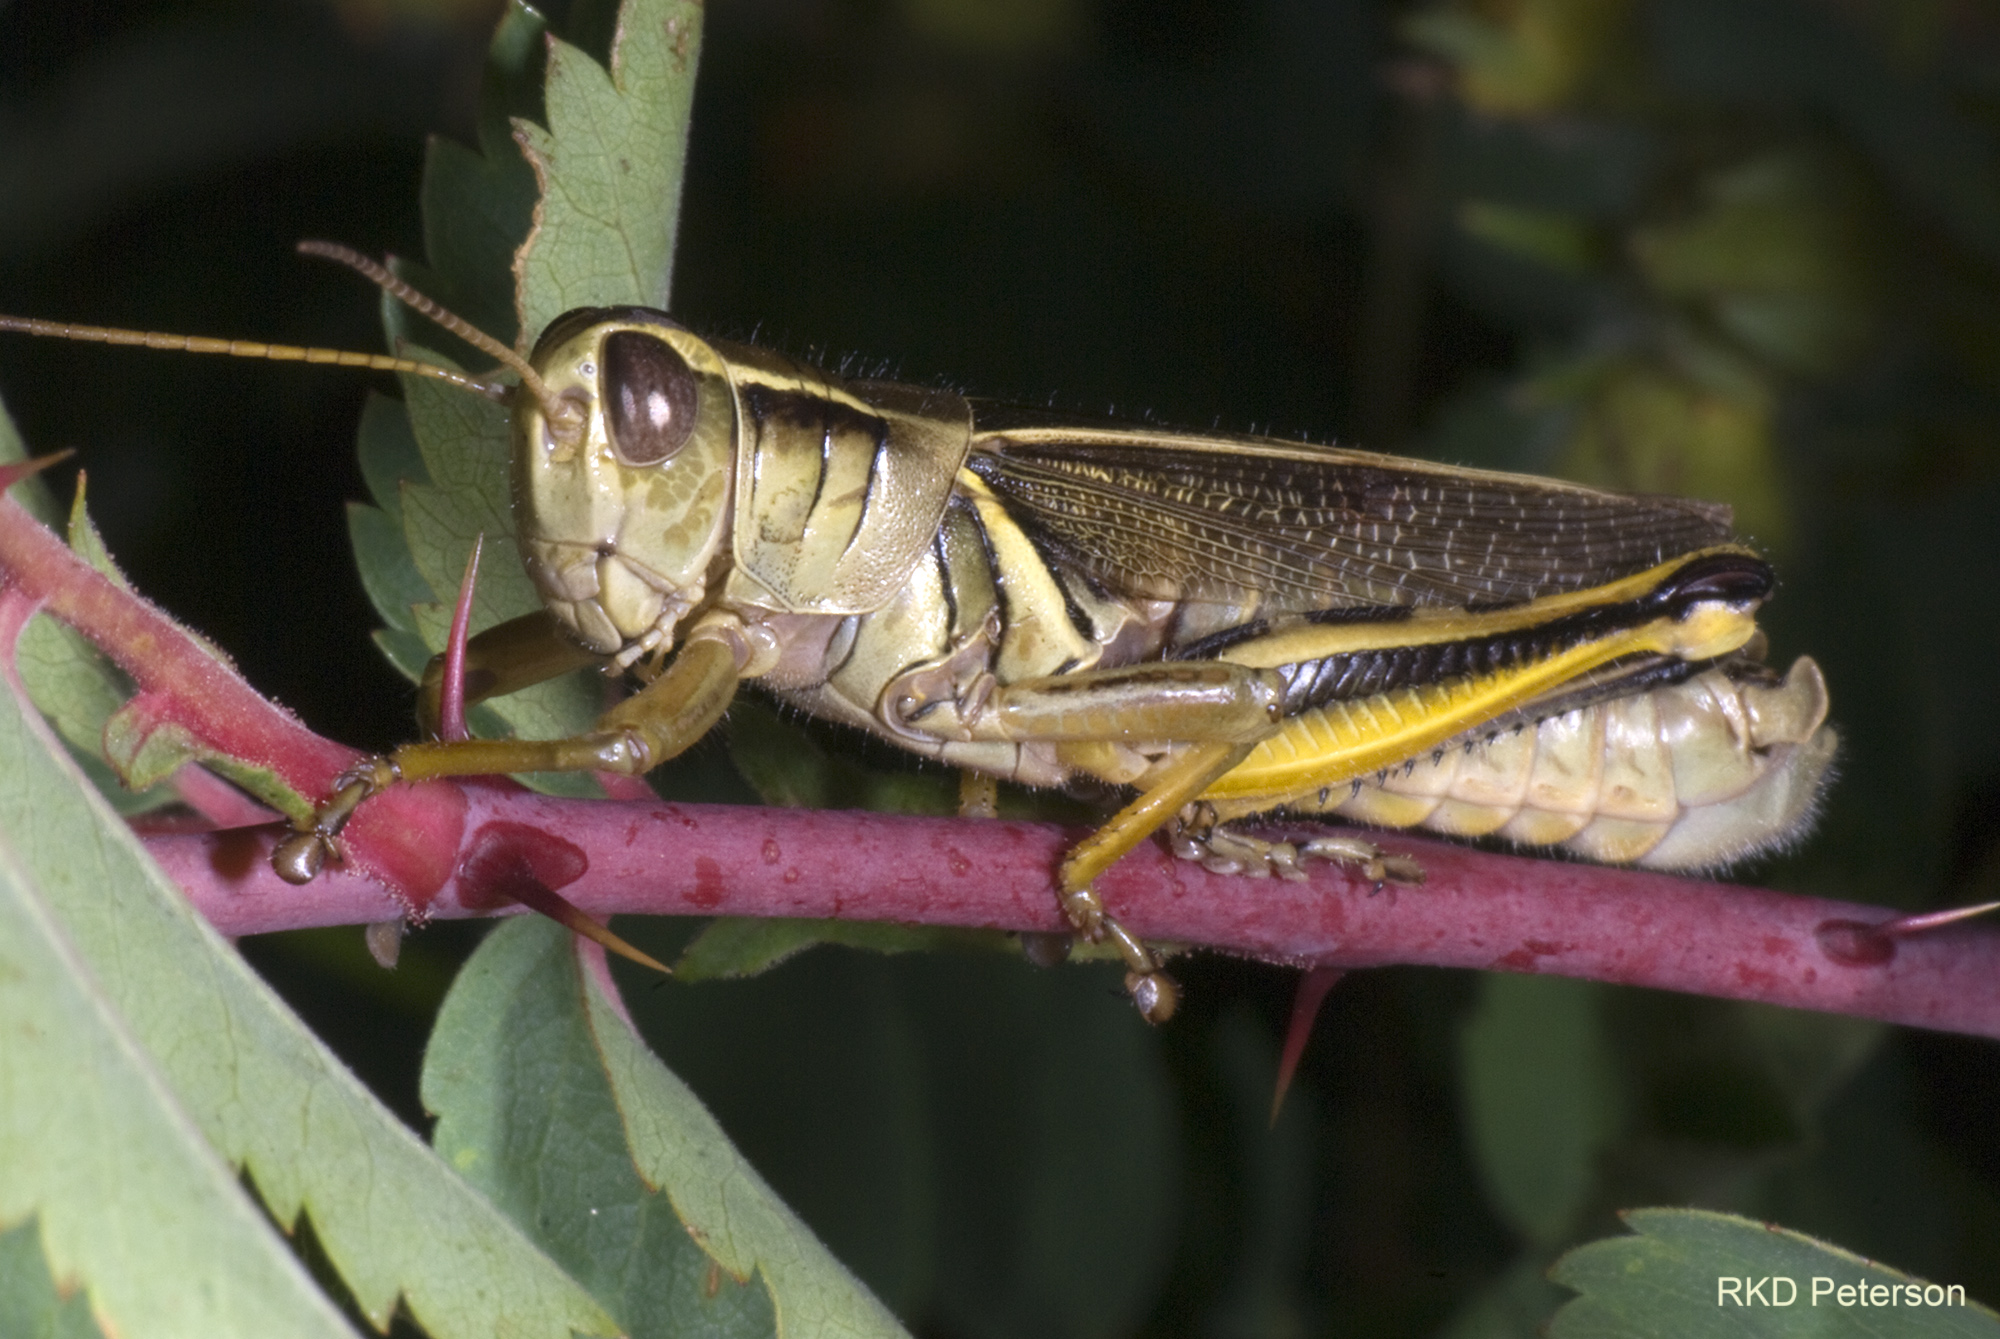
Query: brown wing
1168,516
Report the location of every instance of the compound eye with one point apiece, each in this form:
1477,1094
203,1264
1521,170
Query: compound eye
650,396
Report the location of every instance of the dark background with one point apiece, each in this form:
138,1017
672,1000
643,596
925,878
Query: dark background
1283,217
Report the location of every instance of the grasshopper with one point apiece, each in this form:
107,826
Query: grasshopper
1228,628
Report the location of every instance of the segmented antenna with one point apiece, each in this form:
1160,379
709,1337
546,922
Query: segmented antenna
562,415
564,418
247,348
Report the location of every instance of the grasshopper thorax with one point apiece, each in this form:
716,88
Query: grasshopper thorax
622,505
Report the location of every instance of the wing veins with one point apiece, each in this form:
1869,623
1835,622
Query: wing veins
1435,539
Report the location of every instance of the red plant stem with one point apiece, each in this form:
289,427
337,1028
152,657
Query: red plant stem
207,697
1477,910
408,838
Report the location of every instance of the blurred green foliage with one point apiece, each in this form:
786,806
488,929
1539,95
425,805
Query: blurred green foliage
1746,249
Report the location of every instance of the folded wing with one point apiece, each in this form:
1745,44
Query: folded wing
1317,528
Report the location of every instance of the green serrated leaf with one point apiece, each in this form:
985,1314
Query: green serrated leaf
464,445
79,690
452,456
677,1146
547,1101
392,581
266,1094
88,544
478,207
514,74
31,1305
610,165
1541,1097
479,204
146,753
463,439
962,1129
526,1114
1688,1273
740,946
69,680
615,148
464,448
132,1201
477,234
388,452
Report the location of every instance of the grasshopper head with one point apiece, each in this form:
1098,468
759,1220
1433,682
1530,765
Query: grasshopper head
621,497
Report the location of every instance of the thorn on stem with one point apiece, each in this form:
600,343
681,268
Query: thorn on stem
1934,920
517,862
15,471
451,693
1855,944
1313,987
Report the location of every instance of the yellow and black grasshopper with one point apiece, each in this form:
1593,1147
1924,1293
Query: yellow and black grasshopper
1228,627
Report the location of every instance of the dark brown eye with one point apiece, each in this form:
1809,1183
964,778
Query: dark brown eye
650,397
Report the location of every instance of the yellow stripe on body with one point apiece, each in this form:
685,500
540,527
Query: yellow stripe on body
1341,741
1430,626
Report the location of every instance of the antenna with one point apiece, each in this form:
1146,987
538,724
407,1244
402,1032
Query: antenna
563,416
247,348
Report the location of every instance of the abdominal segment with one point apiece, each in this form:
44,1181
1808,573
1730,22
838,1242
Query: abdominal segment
1693,775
